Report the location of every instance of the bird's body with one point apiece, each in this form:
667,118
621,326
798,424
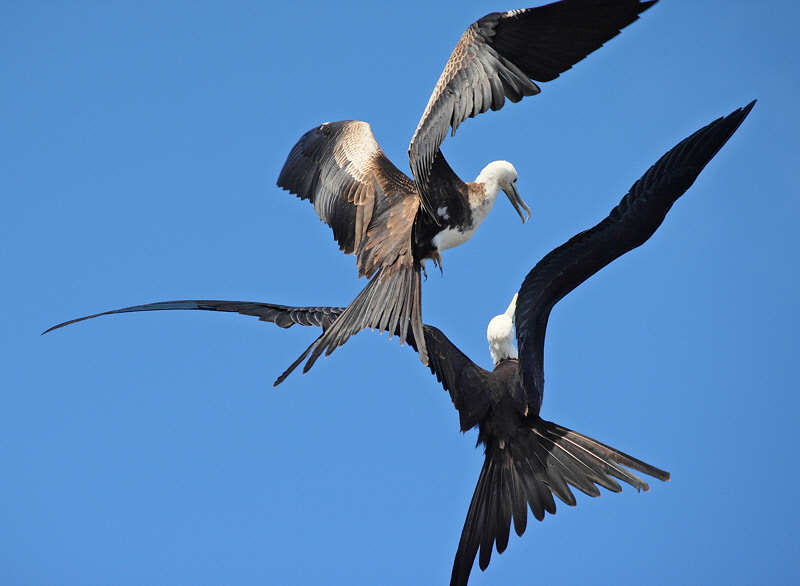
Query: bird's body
528,460
393,223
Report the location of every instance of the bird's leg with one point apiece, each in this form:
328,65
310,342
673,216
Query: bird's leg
436,257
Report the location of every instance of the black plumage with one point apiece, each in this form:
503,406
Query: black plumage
528,460
501,56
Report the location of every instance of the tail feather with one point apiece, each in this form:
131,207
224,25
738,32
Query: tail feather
610,454
386,303
527,471
540,498
292,366
488,514
519,502
555,484
504,509
579,469
604,459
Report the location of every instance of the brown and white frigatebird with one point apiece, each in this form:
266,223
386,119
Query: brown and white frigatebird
528,460
393,224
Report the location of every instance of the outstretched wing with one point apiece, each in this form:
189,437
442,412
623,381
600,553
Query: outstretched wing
283,316
342,171
456,372
467,383
628,225
501,55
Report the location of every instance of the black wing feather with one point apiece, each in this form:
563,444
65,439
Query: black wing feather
458,374
500,56
467,383
283,316
629,225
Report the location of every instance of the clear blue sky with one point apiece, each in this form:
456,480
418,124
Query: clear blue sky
140,147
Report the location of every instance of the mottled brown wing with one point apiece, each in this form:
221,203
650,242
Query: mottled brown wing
501,55
283,316
629,225
342,171
371,207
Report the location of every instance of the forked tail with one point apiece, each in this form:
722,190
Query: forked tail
388,304
542,461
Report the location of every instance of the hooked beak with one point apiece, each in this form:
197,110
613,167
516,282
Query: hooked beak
516,201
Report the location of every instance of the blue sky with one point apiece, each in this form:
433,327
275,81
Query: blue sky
140,147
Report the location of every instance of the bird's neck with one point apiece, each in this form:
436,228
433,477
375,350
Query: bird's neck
482,195
502,349
460,225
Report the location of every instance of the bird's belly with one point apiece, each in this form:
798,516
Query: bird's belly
452,237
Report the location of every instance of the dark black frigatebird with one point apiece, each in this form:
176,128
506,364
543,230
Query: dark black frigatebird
528,460
392,223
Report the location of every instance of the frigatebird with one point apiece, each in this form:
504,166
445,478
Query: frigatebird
528,460
393,224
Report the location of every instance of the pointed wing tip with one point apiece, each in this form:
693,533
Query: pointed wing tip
66,323
741,113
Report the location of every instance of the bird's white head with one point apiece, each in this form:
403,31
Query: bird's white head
500,335
499,175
